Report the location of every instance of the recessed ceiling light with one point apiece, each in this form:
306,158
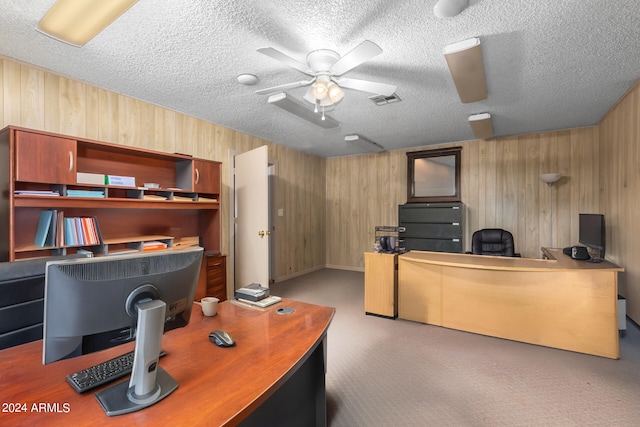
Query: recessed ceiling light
247,79
449,8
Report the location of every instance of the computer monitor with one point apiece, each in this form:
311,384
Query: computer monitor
94,303
591,232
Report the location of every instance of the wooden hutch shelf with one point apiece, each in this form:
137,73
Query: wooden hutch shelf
184,207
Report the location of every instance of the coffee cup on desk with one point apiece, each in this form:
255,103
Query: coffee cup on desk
209,306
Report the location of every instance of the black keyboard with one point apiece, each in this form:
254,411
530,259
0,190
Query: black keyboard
103,373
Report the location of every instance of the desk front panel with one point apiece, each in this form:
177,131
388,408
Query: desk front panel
570,310
535,301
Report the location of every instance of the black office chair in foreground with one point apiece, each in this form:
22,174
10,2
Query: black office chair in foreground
493,241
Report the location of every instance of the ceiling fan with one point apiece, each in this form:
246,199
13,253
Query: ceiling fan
325,67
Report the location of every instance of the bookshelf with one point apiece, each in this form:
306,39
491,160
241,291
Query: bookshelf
184,209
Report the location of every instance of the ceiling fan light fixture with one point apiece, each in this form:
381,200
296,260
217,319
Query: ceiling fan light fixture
321,87
335,92
449,8
77,21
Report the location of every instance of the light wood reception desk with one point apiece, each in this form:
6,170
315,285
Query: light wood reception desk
557,302
275,375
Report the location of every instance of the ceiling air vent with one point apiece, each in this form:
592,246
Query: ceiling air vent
384,100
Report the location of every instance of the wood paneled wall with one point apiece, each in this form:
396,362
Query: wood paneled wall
500,187
37,99
620,192
332,206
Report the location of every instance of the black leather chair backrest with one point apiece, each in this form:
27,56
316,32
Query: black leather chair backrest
492,241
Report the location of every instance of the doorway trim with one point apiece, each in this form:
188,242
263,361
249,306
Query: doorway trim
231,262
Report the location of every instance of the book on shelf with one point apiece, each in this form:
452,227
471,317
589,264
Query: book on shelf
53,232
46,230
60,229
69,235
81,231
90,178
122,181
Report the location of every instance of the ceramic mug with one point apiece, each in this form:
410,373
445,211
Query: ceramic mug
209,306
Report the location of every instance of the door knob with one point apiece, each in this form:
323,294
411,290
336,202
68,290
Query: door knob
263,233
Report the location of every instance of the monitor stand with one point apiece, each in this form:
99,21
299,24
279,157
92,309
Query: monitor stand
149,382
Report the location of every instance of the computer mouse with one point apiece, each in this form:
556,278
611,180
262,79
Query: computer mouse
221,338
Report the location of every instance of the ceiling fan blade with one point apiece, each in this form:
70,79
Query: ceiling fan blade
276,54
361,53
284,87
367,86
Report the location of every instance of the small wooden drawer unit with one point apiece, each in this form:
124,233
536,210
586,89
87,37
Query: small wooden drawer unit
216,276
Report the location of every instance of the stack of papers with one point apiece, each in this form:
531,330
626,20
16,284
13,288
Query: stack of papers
266,302
86,193
252,292
36,193
183,198
153,245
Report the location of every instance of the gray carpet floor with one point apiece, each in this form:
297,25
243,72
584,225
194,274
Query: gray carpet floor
384,372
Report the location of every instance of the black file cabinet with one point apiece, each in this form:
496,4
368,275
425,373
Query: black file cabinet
436,227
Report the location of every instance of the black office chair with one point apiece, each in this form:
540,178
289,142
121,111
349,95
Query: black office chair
493,241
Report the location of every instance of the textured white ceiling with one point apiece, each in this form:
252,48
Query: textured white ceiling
550,64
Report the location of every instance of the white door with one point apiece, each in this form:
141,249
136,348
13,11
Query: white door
252,218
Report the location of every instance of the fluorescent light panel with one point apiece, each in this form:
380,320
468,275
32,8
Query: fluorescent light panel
364,143
465,65
481,125
78,21
294,107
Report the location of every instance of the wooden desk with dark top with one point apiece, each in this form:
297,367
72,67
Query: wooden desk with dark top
275,375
